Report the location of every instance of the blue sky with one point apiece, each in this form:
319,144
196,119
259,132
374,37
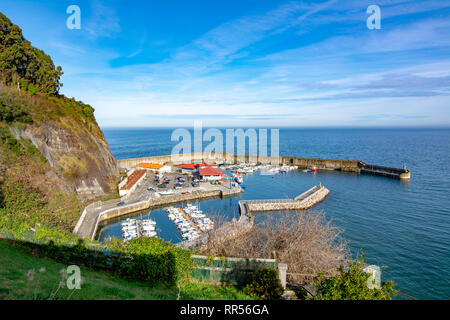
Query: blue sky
249,63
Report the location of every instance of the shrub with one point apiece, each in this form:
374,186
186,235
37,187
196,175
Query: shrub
11,111
351,284
151,260
305,241
265,284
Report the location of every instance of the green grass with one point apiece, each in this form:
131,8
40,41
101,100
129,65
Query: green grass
15,263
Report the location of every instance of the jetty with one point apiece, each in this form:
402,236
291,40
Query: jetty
186,216
303,201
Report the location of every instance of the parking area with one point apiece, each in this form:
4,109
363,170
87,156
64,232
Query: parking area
150,188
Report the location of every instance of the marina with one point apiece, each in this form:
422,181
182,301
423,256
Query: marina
133,228
190,221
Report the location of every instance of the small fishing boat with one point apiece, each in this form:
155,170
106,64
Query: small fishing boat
166,193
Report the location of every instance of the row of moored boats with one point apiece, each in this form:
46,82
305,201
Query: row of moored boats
188,231
248,168
133,228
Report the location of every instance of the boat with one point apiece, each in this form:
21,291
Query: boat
166,193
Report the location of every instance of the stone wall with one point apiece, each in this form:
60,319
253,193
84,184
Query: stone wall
344,165
280,205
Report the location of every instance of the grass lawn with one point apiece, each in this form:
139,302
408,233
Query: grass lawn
16,282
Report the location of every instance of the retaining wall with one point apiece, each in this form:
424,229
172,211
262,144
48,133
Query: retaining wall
231,271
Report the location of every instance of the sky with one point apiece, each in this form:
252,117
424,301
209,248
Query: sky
249,63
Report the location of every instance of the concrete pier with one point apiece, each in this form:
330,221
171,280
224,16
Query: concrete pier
304,201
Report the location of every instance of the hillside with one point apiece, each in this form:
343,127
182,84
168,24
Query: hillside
53,155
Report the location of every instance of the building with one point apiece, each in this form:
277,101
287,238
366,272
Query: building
188,168
210,173
155,167
195,167
132,182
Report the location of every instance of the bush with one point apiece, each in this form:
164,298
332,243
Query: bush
11,111
265,284
305,241
151,260
351,285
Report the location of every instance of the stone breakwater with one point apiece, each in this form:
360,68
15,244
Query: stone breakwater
310,199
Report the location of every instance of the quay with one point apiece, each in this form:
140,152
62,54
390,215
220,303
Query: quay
98,212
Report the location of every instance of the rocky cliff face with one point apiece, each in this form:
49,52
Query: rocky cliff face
53,156
81,161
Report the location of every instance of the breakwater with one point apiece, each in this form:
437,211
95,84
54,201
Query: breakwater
355,166
304,201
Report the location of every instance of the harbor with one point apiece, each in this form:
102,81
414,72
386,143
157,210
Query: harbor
198,178
375,212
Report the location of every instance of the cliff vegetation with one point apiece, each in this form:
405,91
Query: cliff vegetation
53,155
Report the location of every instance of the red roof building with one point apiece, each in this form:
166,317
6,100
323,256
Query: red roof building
210,172
133,178
189,166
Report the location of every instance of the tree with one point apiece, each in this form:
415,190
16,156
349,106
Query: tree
19,60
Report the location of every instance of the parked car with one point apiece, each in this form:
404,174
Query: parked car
121,203
151,189
195,184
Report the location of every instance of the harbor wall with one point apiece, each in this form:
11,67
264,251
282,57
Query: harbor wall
234,158
355,166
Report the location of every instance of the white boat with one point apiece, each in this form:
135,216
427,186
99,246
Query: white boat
149,234
166,193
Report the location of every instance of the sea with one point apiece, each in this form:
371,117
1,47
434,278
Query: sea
402,226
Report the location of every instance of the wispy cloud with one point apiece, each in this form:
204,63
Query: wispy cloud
103,21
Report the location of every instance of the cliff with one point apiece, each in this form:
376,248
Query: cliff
52,151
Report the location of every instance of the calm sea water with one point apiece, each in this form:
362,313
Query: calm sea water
402,226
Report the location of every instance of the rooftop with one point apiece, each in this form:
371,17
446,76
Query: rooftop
210,172
150,165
